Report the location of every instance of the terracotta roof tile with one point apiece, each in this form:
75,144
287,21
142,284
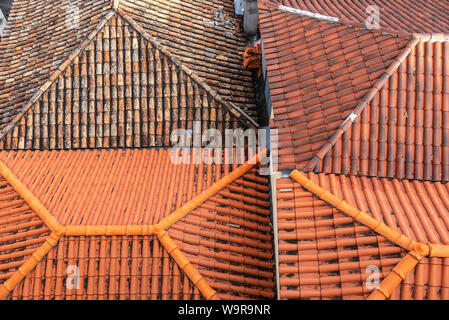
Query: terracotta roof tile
117,201
317,238
316,84
323,254
113,268
29,54
122,90
428,16
132,186
114,84
207,36
229,239
428,281
252,58
349,100
22,232
401,133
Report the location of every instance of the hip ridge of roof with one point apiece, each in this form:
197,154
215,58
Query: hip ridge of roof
243,117
416,250
361,106
159,230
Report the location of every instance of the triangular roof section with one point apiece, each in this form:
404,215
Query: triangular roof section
322,253
207,37
418,227
401,132
44,50
322,74
220,238
119,87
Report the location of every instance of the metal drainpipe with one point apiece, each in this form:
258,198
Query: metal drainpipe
273,177
273,182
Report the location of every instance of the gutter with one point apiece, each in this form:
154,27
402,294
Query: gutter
273,184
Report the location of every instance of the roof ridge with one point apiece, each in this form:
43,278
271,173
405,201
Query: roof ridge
417,250
35,204
396,277
230,106
186,266
366,100
41,90
180,213
159,230
274,5
29,265
432,37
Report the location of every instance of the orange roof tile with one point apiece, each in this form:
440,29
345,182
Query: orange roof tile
102,187
22,232
428,16
327,244
402,131
110,268
196,211
351,100
321,75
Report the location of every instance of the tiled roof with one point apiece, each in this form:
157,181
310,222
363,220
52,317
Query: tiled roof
109,207
110,268
370,104
327,240
403,131
22,232
428,16
320,74
31,51
111,83
206,36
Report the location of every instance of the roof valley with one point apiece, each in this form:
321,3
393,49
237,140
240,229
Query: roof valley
316,98
159,230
